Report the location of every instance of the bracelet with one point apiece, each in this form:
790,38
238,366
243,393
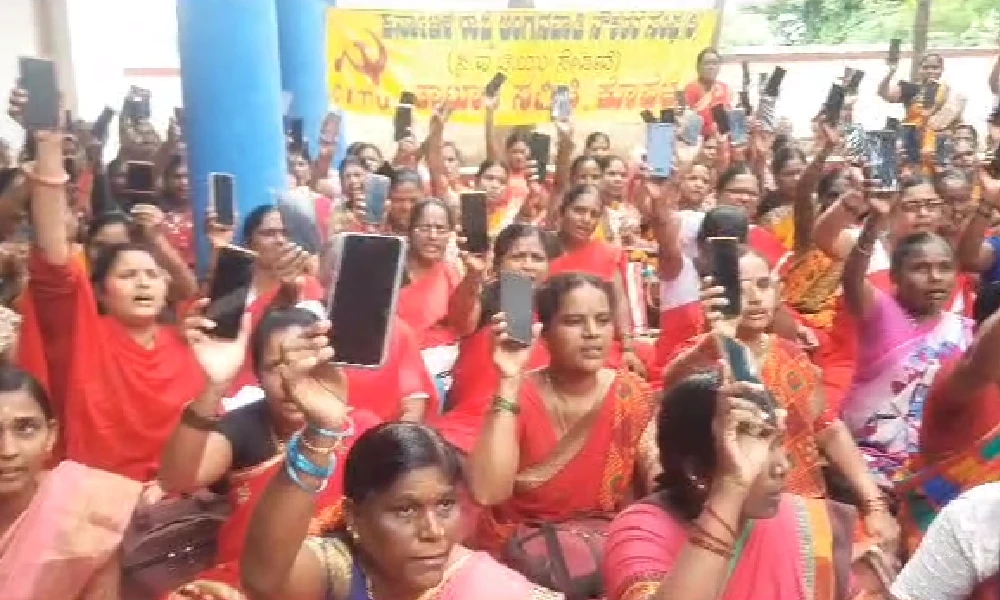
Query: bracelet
501,404
294,476
346,432
300,462
715,517
706,534
321,450
872,505
191,418
59,181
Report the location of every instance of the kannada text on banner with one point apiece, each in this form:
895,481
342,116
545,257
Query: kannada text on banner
616,63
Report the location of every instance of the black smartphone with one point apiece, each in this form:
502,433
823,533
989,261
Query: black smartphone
647,116
230,287
296,128
834,104
222,197
773,87
540,147
362,301
721,117
493,87
893,58
680,99
517,302
886,163
930,94
475,222
376,195
744,101
891,124
726,272
854,81
667,115
140,178
38,79
911,143
746,74
740,361
100,129
402,120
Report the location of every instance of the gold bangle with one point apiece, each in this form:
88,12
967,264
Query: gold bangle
46,181
321,450
501,404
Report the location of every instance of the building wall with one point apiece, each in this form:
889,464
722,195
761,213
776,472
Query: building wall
17,38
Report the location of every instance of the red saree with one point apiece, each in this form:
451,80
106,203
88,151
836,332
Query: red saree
590,470
597,258
121,400
246,487
423,305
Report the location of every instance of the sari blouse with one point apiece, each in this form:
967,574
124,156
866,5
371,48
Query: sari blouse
590,469
595,257
695,93
423,305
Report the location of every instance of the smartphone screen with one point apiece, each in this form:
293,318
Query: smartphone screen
767,112
930,94
222,197
517,304
944,149
493,87
773,87
38,79
100,129
894,44
721,117
834,104
562,107
726,271
741,363
667,115
402,122
540,147
376,194
856,143
295,131
230,286
854,81
363,299
886,163
660,141
139,177
739,129
691,128
475,223
891,124
911,143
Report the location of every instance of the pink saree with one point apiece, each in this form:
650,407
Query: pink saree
65,545
477,575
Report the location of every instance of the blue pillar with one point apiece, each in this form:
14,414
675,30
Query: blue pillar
302,40
230,74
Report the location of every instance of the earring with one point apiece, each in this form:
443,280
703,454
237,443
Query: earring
697,482
354,534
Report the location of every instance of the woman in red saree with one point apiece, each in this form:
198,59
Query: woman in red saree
60,530
126,377
707,91
242,450
571,439
719,524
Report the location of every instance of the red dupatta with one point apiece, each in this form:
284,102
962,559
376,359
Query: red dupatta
590,470
246,487
595,257
121,400
423,305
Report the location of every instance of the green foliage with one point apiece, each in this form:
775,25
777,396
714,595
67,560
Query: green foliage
953,22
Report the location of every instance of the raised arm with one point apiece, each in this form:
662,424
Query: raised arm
661,198
832,233
564,156
888,88
974,252
804,207
493,150
440,183
464,307
859,294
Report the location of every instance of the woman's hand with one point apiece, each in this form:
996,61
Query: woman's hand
15,104
475,264
310,380
206,590
219,235
439,118
743,434
220,359
633,363
991,188
149,218
884,529
713,305
510,356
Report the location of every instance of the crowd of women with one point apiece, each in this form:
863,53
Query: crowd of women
851,453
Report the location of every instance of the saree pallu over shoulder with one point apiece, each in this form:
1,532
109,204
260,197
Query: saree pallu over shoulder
925,488
65,544
591,470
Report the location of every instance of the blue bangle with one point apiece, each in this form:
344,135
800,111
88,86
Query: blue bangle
346,432
294,476
300,462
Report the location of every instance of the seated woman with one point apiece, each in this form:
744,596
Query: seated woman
402,517
580,213
814,436
241,451
719,524
571,438
51,547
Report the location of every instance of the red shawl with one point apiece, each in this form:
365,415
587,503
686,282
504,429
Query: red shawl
120,401
423,305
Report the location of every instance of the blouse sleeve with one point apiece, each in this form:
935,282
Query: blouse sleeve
956,554
642,547
61,295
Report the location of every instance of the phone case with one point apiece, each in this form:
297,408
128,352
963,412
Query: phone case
517,304
660,148
834,104
773,87
739,130
692,126
726,272
721,117
767,115
376,194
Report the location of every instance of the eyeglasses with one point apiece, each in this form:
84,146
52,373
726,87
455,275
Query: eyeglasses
432,229
915,206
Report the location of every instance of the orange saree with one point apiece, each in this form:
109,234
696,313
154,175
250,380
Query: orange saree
591,469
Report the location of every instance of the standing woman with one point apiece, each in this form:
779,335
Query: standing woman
930,104
571,439
579,216
903,337
514,154
127,377
707,91
444,161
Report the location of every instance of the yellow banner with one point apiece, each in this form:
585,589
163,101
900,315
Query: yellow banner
616,63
